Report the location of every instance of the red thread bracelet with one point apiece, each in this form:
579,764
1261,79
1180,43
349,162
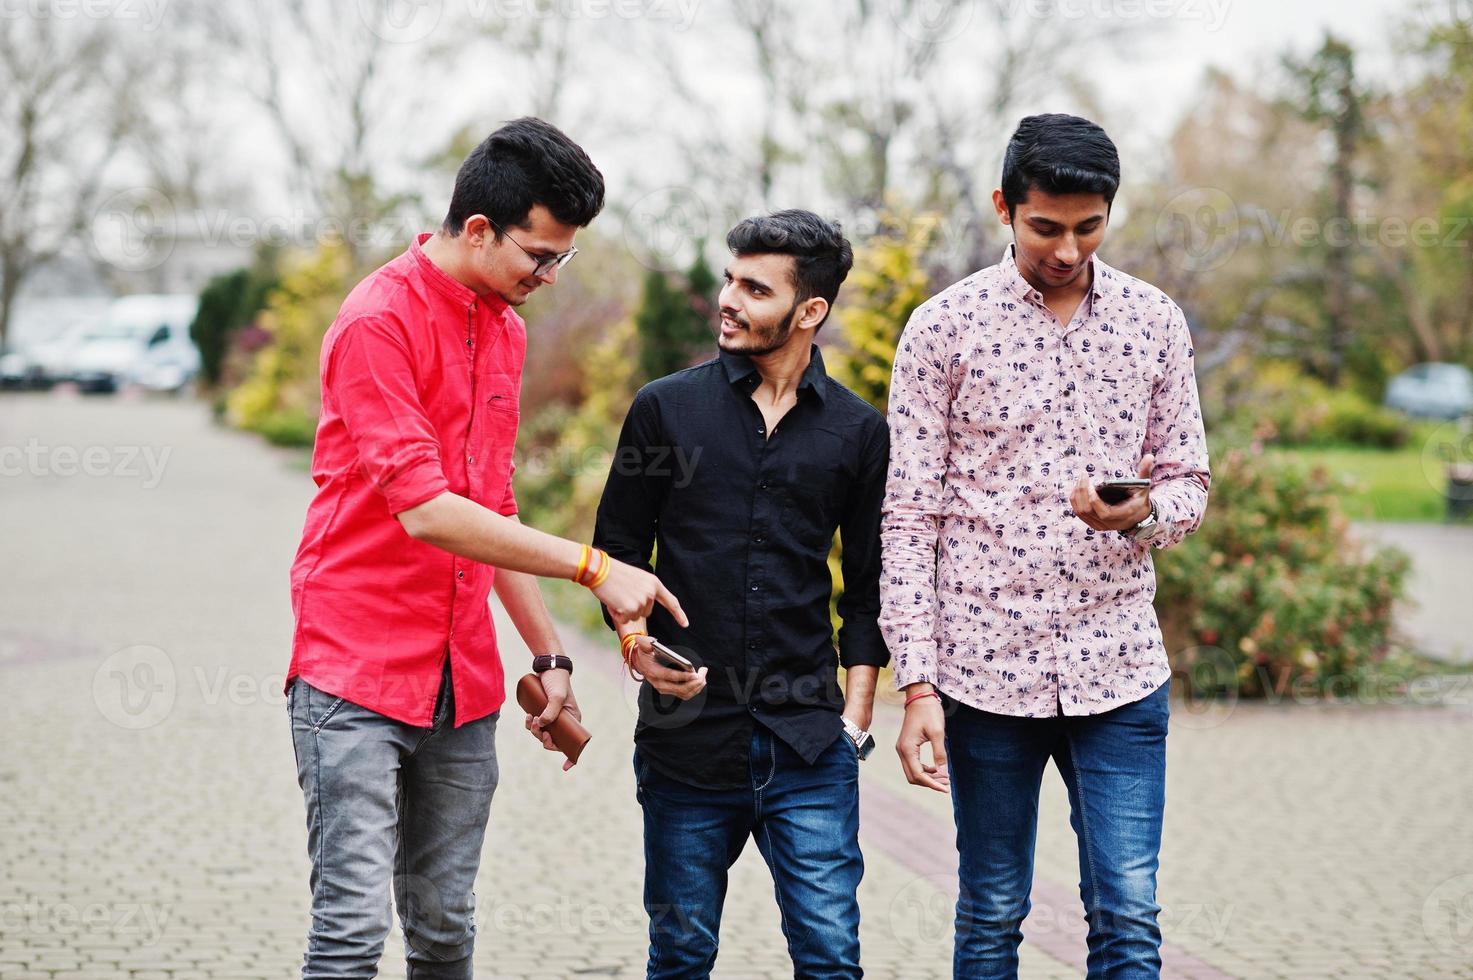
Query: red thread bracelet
924,694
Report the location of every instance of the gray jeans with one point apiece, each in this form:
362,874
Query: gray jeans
391,804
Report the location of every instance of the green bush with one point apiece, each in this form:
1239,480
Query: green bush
280,395
289,427
1275,582
226,304
1277,405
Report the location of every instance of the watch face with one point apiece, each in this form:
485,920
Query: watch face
865,744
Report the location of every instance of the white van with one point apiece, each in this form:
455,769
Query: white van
143,340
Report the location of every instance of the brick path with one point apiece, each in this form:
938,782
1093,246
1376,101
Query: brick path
153,827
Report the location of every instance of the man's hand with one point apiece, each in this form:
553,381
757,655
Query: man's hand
679,683
630,593
558,686
925,722
1118,517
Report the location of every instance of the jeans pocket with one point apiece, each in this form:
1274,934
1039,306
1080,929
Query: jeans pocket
332,702
641,771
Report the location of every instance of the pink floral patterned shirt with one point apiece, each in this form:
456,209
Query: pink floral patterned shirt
993,590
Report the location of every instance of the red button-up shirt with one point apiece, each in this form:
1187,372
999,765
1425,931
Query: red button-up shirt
420,385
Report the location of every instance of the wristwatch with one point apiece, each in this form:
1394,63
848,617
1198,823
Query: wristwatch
1147,530
552,661
863,741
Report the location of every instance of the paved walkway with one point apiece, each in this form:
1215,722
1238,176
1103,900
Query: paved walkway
1440,619
153,827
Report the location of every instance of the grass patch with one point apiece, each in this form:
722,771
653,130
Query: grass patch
1395,485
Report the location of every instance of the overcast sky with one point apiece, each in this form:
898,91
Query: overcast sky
1251,36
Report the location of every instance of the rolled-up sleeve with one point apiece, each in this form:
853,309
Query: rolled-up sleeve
1175,434
368,374
920,404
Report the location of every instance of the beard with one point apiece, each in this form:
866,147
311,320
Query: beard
761,338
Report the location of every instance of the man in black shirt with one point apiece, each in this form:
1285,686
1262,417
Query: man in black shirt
736,473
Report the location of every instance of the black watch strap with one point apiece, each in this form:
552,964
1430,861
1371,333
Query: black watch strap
552,662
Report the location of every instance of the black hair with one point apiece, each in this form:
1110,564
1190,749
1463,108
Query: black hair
1059,154
524,163
822,255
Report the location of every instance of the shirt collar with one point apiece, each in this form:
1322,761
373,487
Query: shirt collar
445,284
741,371
1102,278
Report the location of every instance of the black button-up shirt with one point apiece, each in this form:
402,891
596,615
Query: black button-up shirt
741,521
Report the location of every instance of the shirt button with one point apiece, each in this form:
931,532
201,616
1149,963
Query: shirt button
762,485
470,459
460,574
759,539
754,586
761,431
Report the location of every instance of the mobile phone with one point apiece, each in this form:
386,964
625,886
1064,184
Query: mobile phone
669,659
1115,492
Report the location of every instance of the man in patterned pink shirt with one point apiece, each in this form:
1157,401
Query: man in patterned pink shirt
1015,601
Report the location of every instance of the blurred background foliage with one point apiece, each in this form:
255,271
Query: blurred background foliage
1314,226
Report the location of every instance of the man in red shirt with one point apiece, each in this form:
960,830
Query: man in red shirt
395,682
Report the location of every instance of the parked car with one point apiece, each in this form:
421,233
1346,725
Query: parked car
19,370
1432,390
143,340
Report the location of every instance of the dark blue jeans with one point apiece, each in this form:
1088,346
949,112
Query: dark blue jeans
806,823
1114,765
391,803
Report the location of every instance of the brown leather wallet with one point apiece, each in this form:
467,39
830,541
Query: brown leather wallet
567,734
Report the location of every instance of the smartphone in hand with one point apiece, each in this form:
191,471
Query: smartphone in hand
669,659
1115,492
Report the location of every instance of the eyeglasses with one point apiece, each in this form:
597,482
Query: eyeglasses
545,263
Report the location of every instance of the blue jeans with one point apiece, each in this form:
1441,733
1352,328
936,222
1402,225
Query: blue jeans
391,804
806,822
1114,765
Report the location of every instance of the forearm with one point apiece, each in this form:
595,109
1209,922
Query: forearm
521,597
465,528
859,685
